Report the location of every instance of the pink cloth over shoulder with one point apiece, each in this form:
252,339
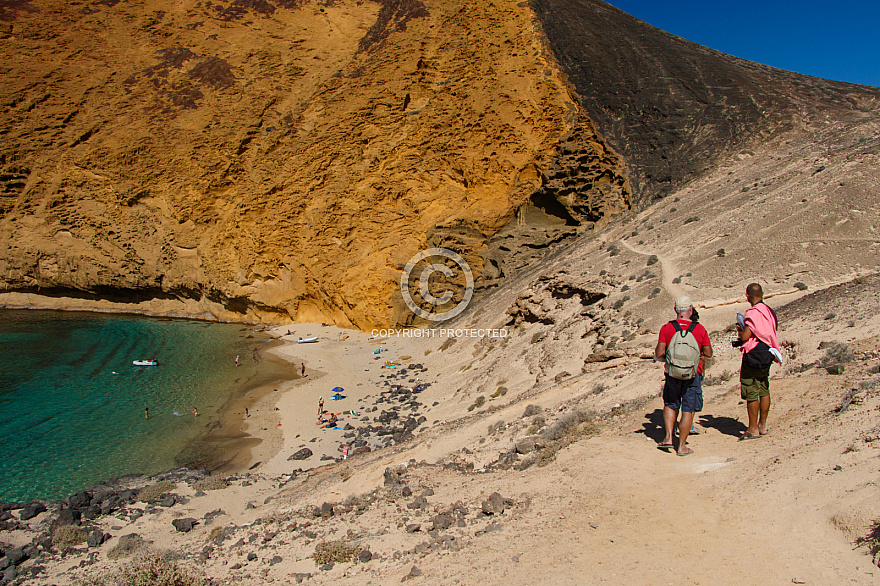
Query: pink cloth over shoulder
761,322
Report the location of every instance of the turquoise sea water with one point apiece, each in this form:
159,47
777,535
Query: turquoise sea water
72,404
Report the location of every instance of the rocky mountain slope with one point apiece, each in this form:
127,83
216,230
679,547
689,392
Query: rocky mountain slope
269,161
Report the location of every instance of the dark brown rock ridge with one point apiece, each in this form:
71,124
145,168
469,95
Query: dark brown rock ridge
671,107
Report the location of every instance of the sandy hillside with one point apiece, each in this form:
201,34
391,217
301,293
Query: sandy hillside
561,417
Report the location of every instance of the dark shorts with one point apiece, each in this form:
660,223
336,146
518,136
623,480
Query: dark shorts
686,395
754,382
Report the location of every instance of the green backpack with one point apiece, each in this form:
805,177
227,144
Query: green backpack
683,352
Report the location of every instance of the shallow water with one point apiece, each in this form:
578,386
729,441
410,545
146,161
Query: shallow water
73,404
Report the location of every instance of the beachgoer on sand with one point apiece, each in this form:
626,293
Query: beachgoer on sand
246,412
303,368
683,345
320,406
760,349
332,421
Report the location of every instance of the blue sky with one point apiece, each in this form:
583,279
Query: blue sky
838,39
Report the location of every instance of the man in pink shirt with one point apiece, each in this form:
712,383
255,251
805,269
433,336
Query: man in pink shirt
757,334
683,394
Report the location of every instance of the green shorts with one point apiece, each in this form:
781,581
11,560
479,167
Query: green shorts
754,382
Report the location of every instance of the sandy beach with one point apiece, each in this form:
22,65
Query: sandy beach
283,417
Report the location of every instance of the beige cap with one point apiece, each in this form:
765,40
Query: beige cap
682,302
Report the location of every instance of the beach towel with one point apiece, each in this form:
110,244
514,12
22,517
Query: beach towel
761,320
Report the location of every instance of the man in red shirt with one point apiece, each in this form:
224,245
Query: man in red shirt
686,395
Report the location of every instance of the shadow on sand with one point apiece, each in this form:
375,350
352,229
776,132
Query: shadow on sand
726,425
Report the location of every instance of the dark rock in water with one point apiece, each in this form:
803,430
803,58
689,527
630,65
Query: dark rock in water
301,454
365,556
184,525
79,500
96,538
32,510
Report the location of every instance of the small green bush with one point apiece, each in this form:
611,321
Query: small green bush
68,536
150,568
210,483
335,551
128,544
154,491
478,402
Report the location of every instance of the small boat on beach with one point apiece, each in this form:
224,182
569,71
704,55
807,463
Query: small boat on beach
151,362
307,340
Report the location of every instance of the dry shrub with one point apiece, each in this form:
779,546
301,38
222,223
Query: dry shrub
478,402
335,551
566,430
837,354
128,544
68,536
154,491
532,410
569,424
214,534
150,568
210,483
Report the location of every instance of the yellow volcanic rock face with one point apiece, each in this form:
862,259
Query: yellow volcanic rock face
283,161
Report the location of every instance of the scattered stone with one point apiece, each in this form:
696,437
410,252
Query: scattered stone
528,444
365,556
96,538
413,527
495,504
406,491
275,560
326,510
836,369
16,555
442,522
328,566
32,510
414,572
421,503
168,500
184,525
300,577
302,454
251,557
